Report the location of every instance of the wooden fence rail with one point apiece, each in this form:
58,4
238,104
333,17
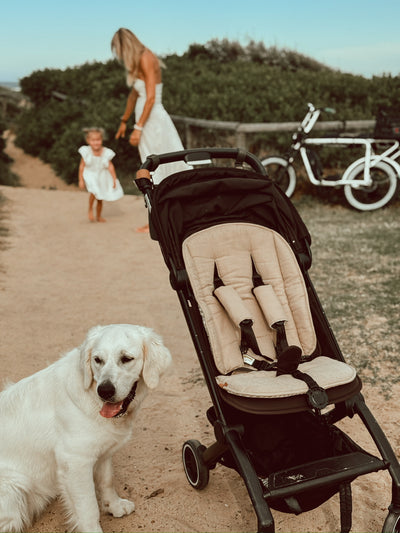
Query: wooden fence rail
241,130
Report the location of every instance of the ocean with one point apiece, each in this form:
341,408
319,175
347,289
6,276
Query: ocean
13,85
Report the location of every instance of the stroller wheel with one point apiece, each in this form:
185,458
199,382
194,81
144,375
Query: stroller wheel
196,470
392,523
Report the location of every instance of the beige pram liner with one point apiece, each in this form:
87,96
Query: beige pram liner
232,249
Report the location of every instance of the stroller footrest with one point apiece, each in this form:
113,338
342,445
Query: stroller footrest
320,473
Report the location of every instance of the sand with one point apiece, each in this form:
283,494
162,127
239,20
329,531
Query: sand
61,275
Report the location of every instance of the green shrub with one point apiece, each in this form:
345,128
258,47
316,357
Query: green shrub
6,176
221,80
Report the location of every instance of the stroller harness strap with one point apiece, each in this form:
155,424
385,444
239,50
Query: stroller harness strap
238,313
289,357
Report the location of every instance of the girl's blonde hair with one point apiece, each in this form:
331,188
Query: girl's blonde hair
128,50
94,129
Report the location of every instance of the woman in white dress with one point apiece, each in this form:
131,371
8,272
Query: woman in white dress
154,131
97,173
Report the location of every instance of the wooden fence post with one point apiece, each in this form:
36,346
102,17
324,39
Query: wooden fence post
240,139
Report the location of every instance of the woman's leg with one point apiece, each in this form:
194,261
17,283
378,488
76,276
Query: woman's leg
143,229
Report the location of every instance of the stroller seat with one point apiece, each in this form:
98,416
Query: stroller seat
245,272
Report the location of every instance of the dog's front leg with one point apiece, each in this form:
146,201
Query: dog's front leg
78,492
111,503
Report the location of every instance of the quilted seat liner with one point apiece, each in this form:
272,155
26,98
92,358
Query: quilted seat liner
232,247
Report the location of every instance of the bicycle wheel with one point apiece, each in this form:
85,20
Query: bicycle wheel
378,193
281,172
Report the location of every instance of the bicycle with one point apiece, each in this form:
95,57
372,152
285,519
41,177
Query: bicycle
369,182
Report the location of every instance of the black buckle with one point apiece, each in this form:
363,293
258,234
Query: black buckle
257,364
317,398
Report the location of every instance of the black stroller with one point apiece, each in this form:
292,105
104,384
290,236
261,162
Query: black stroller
238,254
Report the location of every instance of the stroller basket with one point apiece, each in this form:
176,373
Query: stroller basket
238,255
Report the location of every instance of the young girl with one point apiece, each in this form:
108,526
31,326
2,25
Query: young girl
97,172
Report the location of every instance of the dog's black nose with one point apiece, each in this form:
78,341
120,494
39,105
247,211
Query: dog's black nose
106,390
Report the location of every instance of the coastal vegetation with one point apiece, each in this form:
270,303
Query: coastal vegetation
221,80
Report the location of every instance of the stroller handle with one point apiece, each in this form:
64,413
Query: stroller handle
204,155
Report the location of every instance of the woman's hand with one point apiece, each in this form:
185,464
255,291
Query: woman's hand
121,130
134,139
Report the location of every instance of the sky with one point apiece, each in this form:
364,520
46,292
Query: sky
355,36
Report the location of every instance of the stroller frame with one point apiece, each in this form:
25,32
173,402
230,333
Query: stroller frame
198,459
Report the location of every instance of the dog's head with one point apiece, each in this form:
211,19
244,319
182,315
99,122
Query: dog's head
116,357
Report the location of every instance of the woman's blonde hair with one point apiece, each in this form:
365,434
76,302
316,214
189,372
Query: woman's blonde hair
128,50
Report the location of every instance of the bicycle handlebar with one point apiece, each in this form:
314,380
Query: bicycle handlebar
312,108
312,116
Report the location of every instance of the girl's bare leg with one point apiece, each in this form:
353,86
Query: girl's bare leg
91,202
99,207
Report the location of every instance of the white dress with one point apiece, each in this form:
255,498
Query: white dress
97,177
159,134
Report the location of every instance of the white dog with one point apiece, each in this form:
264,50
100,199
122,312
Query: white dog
60,427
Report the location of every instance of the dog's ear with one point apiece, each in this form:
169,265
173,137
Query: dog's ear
156,357
86,353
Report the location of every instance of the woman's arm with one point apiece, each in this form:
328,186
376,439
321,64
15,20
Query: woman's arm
130,106
149,68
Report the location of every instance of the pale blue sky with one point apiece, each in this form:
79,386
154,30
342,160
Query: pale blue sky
357,36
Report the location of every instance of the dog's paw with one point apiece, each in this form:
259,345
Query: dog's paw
119,507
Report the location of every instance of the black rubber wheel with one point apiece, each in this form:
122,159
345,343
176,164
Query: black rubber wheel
281,172
392,523
197,472
379,193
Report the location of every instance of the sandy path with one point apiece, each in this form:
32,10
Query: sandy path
62,275
32,171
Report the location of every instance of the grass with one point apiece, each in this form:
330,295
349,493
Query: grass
356,272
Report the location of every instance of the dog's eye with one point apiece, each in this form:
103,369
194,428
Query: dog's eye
98,360
125,359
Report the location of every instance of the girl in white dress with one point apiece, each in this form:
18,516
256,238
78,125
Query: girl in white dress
154,132
97,172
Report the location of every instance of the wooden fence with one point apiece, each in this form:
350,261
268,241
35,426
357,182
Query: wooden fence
242,130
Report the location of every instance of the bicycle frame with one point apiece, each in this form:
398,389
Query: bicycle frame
370,157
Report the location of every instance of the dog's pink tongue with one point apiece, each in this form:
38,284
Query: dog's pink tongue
110,409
